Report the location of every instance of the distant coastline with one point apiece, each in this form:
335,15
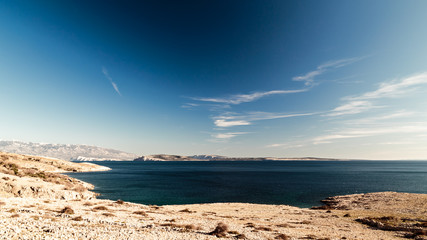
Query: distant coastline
167,157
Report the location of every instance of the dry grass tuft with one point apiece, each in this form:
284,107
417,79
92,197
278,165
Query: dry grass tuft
101,208
186,211
67,210
88,204
220,230
262,228
140,213
240,236
79,218
14,215
282,237
185,227
108,214
119,201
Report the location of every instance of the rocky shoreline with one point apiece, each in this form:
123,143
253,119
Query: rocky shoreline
36,202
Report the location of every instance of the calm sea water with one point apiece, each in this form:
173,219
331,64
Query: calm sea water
296,183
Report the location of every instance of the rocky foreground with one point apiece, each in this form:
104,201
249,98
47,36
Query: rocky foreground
36,202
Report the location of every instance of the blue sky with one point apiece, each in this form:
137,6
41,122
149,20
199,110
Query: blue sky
344,79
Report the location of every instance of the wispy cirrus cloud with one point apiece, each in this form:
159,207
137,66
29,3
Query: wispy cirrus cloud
247,119
224,104
244,98
382,118
227,135
309,77
396,88
224,136
352,107
407,129
417,127
393,89
229,122
107,75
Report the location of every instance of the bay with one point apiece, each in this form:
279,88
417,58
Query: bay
296,183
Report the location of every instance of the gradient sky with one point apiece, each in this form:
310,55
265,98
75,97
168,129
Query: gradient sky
344,79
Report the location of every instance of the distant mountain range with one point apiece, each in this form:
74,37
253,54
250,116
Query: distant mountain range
74,152
166,157
71,152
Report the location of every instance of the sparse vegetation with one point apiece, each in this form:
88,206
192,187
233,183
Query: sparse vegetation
140,213
283,225
240,236
263,228
281,237
79,218
414,228
14,215
108,214
120,201
220,230
185,227
67,210
186,210
101,208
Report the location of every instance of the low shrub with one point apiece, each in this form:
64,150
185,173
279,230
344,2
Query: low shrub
79,218
220,230
67,210
140,213
102,208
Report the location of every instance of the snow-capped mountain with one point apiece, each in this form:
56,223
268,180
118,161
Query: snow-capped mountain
70,152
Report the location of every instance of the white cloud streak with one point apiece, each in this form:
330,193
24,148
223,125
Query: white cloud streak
241,120
370,132
405,129
230,123
228,135
107,75
394,89
244,98
309,77
382,118
352,107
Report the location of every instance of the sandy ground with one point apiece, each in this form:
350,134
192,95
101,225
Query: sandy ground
40,208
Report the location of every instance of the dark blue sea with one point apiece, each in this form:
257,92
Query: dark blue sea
296,183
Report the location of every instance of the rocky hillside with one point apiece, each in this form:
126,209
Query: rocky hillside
31,176
69,152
